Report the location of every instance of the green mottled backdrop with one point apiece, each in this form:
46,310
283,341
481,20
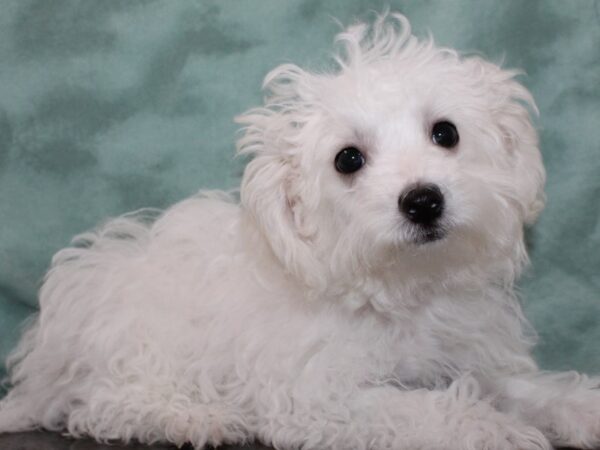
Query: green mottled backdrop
108,106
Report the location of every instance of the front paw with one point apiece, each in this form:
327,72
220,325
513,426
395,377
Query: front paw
576,423
484,428
503,436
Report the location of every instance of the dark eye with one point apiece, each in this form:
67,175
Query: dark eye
444,134
349,160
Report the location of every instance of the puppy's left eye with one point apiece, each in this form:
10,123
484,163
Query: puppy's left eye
349,160
444,134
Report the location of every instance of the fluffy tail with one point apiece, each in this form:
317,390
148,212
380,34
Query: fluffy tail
15,416
16,412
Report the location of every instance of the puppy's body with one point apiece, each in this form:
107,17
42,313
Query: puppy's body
181,333
314,314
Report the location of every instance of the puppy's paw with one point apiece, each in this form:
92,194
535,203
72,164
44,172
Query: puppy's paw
576,423
485,435
484,428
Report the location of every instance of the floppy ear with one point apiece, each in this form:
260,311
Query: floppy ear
521,140
274,191
512,106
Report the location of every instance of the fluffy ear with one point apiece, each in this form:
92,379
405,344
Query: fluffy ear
512,106
521,140
274,191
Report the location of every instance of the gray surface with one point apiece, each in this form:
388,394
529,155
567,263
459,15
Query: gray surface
53,441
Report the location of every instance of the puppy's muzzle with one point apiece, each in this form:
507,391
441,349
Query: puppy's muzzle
422,204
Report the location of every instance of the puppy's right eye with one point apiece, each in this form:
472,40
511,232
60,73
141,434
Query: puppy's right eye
349,160
444,134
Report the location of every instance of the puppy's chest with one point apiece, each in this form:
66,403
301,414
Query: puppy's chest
433,349
421,360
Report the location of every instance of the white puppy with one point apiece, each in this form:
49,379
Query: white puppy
360,296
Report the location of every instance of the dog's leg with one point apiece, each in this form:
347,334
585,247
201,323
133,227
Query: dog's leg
564,406
389,418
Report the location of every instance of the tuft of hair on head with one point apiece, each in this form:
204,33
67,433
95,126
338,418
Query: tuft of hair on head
388,36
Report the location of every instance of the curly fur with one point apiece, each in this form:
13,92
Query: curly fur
306,315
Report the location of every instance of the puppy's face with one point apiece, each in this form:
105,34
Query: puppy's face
409,156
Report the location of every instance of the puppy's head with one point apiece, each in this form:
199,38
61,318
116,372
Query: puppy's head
408,162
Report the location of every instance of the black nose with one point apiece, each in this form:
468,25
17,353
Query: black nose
423,204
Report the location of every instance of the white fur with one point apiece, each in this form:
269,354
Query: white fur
306,316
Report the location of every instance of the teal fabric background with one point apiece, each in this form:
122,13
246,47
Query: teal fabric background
109,106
